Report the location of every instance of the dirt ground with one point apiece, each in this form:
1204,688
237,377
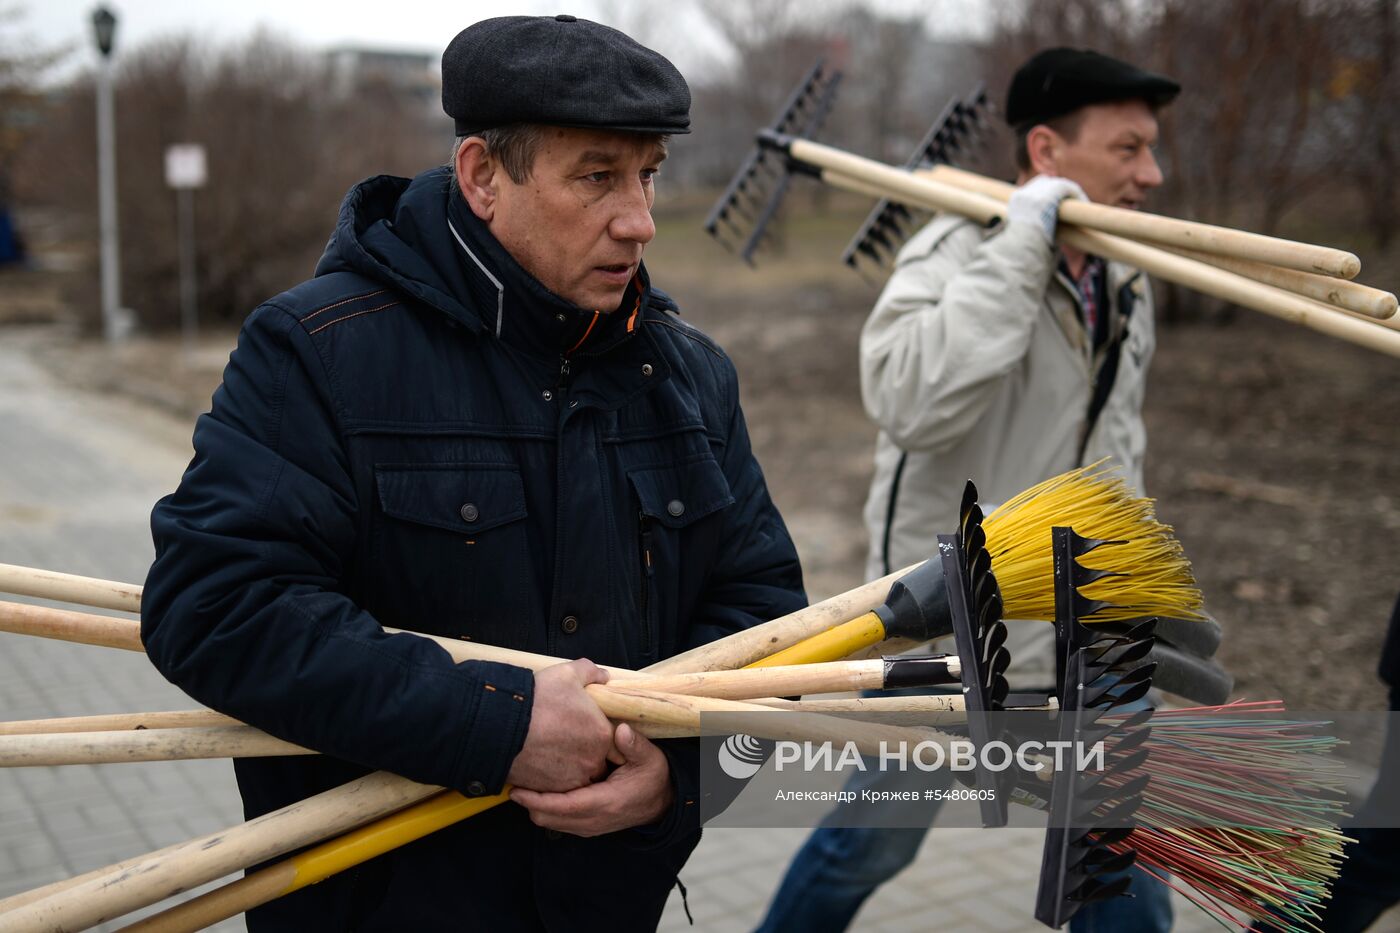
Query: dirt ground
1273,451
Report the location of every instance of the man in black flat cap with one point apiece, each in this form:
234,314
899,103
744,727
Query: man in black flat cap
1000,356
478,420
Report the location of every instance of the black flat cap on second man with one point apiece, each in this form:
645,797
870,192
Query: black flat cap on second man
560,71
1057,81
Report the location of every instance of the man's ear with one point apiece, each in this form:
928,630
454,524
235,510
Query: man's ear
477,177
1043,150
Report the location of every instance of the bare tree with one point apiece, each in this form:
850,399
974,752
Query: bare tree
1363,92
282,150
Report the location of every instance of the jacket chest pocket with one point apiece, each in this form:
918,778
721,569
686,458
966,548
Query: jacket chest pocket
677,511
450,548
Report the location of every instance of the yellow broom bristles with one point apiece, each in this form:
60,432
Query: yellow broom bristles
1096,503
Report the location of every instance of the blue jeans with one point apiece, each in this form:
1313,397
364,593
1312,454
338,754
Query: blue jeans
838,867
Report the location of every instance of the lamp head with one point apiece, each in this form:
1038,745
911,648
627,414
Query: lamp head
104,27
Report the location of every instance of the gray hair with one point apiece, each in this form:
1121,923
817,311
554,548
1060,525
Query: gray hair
515,146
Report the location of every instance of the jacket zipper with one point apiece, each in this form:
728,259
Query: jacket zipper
644,597
564,367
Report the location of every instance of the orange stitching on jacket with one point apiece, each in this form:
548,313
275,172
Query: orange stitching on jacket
345,302
349,316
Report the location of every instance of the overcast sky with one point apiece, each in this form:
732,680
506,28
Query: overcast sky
415,24
420,25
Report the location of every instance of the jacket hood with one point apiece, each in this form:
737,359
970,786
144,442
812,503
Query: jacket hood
418,237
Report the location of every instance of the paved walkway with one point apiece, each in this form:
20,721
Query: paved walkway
78,476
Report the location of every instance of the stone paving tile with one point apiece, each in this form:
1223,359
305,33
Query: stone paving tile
78,477
992,890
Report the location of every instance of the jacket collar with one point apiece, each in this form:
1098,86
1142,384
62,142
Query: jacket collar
423,239
514,306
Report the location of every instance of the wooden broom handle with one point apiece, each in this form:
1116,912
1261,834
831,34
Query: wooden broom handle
788,680
753,644
118,722
932,703
69,588
188,734
732,651
728,653
110,892
307,868
1184,234
113,892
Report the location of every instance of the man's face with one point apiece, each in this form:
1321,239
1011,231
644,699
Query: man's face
1111,155
579,223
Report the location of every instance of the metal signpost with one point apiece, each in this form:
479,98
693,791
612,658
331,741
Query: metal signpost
104,26
185,171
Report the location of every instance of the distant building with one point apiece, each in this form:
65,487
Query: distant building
353,69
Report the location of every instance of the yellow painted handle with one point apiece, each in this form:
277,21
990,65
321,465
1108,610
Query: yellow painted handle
832,645
387,834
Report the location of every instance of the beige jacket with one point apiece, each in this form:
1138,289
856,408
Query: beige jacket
975,365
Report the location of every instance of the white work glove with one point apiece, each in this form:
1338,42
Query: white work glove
1038,202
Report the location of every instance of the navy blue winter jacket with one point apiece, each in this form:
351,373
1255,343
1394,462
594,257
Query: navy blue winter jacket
423,437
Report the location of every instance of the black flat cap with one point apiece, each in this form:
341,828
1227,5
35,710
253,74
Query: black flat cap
559,71
1057,81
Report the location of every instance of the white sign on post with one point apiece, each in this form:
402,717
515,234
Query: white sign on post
184,166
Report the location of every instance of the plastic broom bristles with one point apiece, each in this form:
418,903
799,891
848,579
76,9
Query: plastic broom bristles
1271,781
1152,575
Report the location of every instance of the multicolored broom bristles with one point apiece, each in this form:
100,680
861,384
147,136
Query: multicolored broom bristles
1241,817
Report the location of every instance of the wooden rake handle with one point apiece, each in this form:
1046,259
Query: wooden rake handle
843,170
1183,234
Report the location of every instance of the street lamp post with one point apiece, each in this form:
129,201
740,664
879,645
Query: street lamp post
104,26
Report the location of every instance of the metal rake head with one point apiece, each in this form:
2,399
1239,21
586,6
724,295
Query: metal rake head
753,196
975,605
1091,811
960,128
